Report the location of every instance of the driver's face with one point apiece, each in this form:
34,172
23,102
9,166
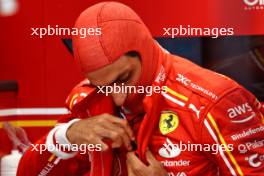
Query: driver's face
125,70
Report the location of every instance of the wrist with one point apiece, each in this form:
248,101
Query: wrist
57,137
61,134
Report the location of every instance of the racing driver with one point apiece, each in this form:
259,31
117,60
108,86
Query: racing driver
203,123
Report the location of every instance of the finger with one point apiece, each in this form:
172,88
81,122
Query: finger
122,133
137,167
109,134
129,169
104,126
96,135
123,123
154,163
97,141
150,158
134,160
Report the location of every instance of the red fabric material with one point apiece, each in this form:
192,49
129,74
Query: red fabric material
33,163
121,31
224,94
85,107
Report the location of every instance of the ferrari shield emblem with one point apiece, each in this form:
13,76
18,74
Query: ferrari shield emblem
169,121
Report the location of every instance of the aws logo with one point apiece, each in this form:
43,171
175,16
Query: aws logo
241,113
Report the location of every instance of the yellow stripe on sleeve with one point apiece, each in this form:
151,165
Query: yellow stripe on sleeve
176,94
51,158
211,119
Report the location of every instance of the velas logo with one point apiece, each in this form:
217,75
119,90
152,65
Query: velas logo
177,174
254,4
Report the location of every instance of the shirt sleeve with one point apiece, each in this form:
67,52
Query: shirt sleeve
45,157
234,129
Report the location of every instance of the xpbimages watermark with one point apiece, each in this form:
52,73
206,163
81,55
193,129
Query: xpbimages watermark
82,148
189,30
117,88
64,31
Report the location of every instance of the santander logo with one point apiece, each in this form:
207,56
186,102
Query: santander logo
169,150
241,113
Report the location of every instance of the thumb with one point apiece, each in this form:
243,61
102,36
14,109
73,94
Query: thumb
129,169
150,157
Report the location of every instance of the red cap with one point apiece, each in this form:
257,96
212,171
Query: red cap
121,31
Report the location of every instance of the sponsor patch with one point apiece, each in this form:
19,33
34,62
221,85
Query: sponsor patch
177,174
187,82
248,146
255,160
247,133
241,113
169,121
176,163
169,150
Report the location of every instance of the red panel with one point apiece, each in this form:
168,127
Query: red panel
21,56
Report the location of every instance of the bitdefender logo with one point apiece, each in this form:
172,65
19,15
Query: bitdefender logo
254,4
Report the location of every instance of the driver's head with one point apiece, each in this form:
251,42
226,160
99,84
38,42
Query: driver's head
125,52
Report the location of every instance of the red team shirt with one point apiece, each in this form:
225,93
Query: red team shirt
205,123
199,108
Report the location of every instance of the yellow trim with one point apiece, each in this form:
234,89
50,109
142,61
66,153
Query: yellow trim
51,158
176,94
262,118
31,123
73,97
225,145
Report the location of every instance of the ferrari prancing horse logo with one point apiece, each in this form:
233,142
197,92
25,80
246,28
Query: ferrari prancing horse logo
169,121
